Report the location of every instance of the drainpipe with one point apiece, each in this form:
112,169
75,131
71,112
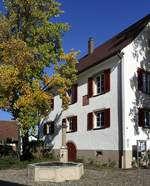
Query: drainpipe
120,110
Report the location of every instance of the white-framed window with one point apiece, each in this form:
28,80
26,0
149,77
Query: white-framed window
146,82
99,84
99,119
147,118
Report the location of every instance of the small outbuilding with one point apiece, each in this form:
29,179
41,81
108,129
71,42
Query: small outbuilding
9,134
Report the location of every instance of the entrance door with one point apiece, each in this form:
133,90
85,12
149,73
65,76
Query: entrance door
72,152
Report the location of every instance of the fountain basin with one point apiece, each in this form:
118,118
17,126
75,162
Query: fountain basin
54,171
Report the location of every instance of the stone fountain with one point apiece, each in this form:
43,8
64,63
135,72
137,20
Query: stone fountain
56,171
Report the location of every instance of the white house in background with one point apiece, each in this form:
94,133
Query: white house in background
109,115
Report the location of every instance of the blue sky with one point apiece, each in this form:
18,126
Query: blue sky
100,19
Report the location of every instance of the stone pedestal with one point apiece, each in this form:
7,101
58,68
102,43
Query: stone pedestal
63,155
63,149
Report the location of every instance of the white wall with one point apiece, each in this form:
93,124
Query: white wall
104,139
135,55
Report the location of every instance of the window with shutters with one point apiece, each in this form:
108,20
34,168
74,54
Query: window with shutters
72,124
99,84
146,82
72,94
147,119
143,81
144,117
48,128
99,119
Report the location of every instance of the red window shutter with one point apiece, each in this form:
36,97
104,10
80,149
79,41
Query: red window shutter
90,87
107,80
64,120
74,122
141,117
140,73
52,104
52,127
85,100
90,121
74,93
106,118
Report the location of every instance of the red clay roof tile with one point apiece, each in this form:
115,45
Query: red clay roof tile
8,129
112,46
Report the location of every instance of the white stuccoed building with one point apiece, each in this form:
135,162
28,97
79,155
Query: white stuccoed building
109,115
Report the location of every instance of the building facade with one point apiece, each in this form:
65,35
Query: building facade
108,118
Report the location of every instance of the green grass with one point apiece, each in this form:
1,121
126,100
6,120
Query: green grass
13,163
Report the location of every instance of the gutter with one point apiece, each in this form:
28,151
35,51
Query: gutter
120,110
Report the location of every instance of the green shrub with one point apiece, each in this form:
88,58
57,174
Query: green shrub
6,150
111,163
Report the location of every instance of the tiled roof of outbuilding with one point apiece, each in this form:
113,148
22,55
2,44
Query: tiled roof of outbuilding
9,129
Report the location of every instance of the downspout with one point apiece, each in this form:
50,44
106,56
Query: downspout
120,110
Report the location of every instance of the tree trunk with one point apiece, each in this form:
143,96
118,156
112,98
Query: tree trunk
25,147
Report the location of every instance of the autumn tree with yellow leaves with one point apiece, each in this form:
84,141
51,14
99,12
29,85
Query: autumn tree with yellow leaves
30,42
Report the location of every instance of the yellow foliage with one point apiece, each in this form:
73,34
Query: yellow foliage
29,43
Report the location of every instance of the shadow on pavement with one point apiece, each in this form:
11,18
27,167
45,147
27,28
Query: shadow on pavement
5,183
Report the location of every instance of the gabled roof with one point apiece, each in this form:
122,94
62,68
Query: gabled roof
112,46
9,130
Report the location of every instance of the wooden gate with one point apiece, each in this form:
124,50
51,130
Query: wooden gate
72,152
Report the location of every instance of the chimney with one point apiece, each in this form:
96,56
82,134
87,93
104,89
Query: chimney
90,46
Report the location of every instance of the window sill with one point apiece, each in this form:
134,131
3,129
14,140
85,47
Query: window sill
146,127
72,103
99,128
99,94
71,131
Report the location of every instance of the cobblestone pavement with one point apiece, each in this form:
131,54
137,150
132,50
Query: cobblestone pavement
116,177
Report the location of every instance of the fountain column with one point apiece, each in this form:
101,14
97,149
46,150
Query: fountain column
63,149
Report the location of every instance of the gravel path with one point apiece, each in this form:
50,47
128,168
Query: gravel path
139,177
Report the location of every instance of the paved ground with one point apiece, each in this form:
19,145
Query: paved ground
139,177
